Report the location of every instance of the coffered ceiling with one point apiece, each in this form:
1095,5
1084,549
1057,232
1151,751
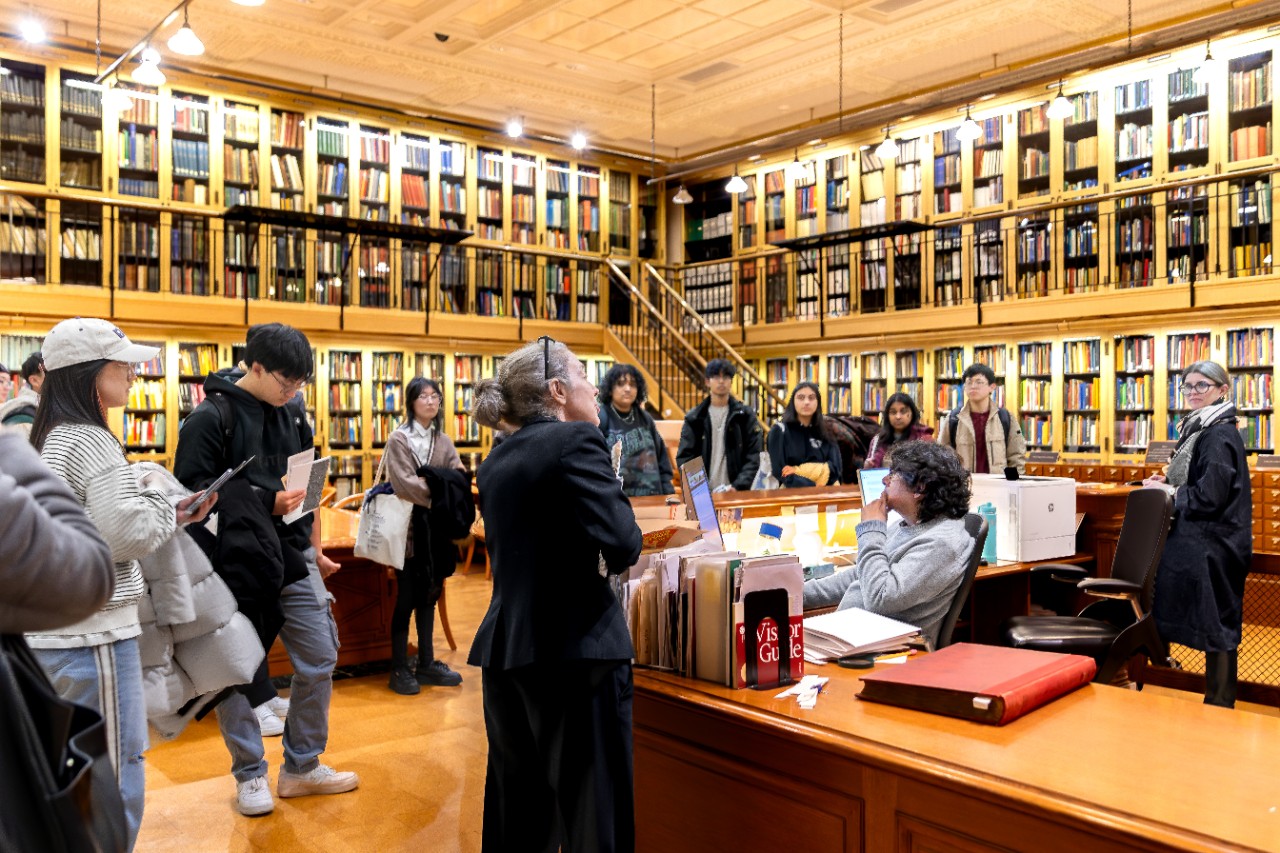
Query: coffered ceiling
724,70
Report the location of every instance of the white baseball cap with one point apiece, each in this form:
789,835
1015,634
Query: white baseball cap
83,339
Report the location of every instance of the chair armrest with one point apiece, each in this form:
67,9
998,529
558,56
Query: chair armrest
1061,571
1109,586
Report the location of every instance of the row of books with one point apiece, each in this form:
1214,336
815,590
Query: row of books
144,431
78,101
18,89
1249,142
286,173
1134,392
192,280
16,238
1252,390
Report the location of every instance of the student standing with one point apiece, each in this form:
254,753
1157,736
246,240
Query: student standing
275,570
900,422
20,412
1199,593
987,438
801,451
723,431
554,646
415,446
95,662
646,465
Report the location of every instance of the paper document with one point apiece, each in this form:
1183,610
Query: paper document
306,472
852,631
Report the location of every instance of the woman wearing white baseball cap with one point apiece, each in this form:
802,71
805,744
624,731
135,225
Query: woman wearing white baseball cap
88,370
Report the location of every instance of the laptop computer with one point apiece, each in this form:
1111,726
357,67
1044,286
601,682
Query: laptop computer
871,485
697,495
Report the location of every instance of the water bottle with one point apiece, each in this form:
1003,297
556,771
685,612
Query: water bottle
770,541
988,513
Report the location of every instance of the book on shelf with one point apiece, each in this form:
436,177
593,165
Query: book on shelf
987,684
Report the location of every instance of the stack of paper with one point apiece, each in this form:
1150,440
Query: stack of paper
851,632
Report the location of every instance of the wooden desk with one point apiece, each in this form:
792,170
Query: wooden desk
1102,769
364,597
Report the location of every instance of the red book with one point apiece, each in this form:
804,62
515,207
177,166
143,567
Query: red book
989,684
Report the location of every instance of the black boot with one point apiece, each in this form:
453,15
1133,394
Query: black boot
431,671
1220,678
402,680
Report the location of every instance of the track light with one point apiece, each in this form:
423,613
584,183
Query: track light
32,30
148,72
185,41
1061,107
1204,73
578,140
968,129
888,149
515,127
682,196
736,184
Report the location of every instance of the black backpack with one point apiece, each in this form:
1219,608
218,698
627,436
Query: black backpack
953,423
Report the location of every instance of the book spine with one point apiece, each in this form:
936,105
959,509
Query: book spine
1057,679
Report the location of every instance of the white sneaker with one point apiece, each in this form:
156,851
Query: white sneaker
254,797
320,780
279,706
271,725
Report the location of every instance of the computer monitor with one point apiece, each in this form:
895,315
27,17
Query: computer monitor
697,494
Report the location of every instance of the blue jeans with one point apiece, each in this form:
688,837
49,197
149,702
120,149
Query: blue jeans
108,679
310,637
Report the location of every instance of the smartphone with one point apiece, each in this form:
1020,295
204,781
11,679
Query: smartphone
212,488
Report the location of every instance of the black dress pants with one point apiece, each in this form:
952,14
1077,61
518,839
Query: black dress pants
560,768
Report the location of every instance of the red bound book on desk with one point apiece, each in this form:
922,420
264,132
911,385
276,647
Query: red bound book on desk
989,684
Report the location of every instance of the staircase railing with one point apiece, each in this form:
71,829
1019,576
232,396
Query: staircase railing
673,343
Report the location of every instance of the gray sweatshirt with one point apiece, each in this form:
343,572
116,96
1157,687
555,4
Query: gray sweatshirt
910,573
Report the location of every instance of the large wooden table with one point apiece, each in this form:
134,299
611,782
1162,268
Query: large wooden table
1102,769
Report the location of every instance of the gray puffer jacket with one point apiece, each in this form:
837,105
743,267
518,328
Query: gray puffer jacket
194,641
55,570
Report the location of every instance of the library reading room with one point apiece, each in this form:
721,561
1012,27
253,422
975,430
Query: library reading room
296,294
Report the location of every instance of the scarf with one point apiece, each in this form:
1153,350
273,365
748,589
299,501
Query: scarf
1189,430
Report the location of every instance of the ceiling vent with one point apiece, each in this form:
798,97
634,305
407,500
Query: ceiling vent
708,71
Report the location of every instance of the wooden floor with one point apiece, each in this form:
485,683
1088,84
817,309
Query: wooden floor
421,762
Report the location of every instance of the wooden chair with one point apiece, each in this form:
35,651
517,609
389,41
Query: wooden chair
327,495
351,503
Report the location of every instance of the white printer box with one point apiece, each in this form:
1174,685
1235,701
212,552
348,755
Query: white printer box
1035,516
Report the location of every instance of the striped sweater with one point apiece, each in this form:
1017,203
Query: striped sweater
133,521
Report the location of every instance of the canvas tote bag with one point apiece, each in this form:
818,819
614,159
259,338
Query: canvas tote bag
383,535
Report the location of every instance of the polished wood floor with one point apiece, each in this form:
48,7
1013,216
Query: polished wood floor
421,761
420,758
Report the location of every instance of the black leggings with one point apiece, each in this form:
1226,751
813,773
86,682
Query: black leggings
416,591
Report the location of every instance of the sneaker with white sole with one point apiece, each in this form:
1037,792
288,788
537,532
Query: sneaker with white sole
279,706
254,797
271,725
320,780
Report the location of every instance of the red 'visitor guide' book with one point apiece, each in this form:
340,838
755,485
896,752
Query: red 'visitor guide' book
989,684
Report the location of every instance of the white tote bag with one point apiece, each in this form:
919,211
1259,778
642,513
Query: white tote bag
383,535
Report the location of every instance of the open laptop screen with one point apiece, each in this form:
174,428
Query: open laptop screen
871,483
697,491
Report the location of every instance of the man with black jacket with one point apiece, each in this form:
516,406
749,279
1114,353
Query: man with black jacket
723,431
275,570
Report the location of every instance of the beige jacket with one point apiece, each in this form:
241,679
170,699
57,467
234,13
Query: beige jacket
402,465
999,457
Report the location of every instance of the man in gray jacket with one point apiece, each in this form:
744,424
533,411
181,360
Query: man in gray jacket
912,571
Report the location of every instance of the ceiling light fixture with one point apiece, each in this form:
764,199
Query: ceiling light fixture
578,140
32,30
682,196
248,2
1061,106
1202,75
888,149
969,130
148,72
736,183
116,99
515,127
185,41
795,169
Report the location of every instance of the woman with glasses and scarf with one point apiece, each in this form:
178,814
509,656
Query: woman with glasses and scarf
1200,583
909,571
416,445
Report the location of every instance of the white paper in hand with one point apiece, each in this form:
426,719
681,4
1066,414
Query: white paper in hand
306,472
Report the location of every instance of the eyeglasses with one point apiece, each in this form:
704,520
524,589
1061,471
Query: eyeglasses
1195,387
289,387
429,397
909,479
546,341
976,382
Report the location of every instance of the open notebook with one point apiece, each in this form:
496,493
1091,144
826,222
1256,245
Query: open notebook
851,632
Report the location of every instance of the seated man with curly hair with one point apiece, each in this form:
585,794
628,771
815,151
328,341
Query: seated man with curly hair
910,572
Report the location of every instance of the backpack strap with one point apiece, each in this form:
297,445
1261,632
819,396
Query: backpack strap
953,423
225,418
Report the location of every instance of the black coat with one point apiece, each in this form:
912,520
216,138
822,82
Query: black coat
743,441
452,512
794,445
552,505
1200,583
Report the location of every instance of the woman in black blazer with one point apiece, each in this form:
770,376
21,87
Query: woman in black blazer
554,648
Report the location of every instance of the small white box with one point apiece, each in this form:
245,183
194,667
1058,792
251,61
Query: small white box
1035,516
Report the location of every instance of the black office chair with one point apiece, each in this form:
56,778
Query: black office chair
1118,627
976,527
